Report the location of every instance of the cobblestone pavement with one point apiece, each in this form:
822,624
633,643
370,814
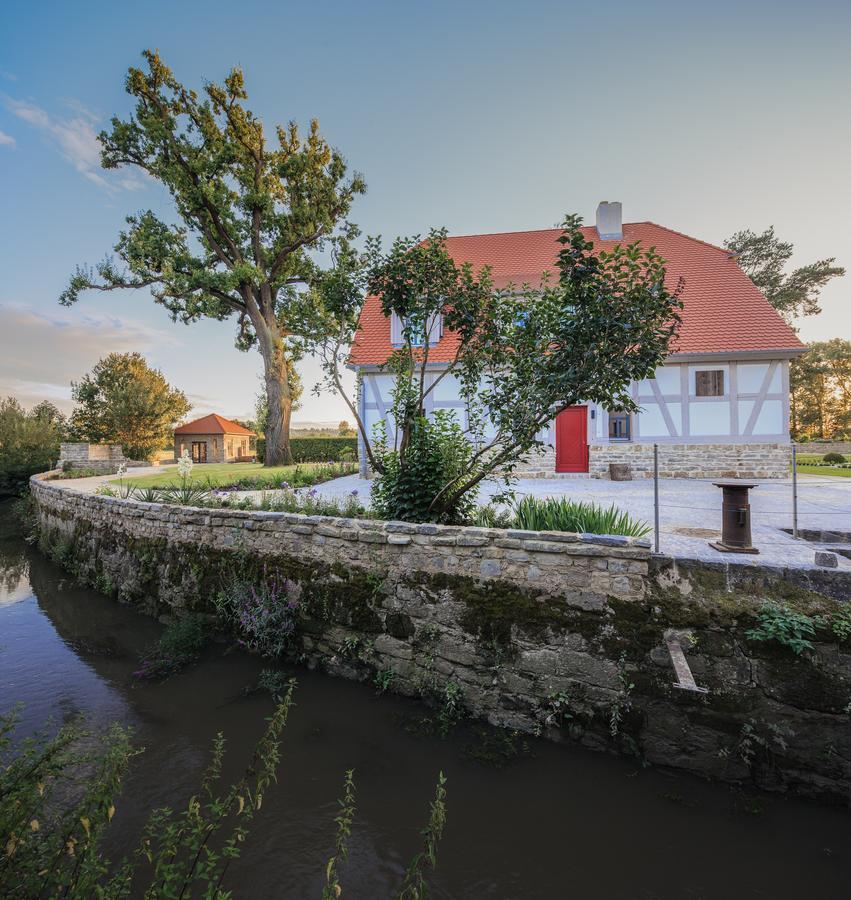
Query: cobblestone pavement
690,510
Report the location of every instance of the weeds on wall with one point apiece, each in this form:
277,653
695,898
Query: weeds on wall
796,630
383,680
497,746
622,702
758,744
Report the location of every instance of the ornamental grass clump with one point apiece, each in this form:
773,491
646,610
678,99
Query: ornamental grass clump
562,514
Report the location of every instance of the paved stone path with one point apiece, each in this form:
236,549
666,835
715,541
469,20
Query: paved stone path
690,510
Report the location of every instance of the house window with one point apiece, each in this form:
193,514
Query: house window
619,426
709,383
417,335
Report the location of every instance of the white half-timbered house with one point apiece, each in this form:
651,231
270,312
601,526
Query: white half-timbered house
718,407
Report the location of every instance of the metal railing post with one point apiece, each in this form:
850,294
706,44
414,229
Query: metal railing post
656,496
794,492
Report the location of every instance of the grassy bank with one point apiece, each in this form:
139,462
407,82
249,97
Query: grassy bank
225,474
824,471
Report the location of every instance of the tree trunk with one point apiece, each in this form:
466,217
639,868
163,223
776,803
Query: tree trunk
278,398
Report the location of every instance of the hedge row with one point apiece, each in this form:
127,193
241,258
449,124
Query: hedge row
317,449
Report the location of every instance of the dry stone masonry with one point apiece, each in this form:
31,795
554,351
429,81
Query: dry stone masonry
555,634
102,458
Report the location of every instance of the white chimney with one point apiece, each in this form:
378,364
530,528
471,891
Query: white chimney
609,221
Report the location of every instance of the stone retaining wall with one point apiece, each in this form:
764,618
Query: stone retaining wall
103,458
822,447
556,634
694,460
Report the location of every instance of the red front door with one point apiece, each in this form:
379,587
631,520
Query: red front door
572,440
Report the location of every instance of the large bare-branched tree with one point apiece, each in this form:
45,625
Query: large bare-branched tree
251,214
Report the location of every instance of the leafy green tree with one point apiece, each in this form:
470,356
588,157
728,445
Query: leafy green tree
764,257
521,355
821,390
124,401
250,216
29,442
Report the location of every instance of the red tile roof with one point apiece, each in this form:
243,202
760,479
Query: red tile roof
212,424
723,311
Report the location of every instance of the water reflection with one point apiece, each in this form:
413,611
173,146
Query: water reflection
562,822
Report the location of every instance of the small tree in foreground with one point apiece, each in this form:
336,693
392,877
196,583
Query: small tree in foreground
124,401
58,796
520,356
249,216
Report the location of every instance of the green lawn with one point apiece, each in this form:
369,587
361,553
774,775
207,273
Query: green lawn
223,473
827,471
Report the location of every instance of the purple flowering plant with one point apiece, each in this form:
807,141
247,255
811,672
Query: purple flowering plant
263,614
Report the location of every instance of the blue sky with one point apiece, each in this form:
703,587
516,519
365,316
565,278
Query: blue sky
480,116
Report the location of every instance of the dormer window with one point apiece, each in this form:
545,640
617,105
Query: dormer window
417,336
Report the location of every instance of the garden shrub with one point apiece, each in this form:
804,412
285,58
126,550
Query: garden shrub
317,449
438,452
323,449
834,458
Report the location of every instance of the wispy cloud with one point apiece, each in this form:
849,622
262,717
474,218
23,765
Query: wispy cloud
6,140
76,139
41,353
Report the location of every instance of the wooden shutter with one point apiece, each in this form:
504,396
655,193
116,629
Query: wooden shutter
395,330
435,332
709,383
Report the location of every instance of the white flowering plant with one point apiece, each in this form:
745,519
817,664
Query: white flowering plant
184,466
124,491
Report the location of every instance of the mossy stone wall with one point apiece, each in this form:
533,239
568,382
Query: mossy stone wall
557,635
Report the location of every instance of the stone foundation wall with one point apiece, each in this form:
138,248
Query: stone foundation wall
560,635
694,460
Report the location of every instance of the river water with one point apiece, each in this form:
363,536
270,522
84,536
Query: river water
552,822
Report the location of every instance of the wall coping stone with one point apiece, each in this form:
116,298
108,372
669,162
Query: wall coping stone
366,527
